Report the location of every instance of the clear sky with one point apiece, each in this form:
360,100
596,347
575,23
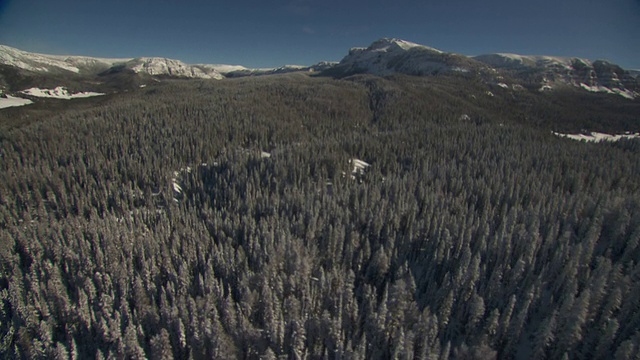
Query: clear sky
263,33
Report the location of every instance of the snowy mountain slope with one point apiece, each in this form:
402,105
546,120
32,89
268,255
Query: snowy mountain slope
156,66
513,61
550,72
20,69
54,63
153,66
388,56
90,66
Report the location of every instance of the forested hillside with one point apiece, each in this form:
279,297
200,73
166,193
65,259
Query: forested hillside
202,219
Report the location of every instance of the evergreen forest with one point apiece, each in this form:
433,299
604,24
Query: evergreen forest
300,217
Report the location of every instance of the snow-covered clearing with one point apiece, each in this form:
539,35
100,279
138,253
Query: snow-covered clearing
598,137
11,101
59,92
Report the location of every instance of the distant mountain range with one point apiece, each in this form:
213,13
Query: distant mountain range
21,70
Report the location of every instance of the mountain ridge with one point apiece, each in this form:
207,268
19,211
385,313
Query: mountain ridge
383,57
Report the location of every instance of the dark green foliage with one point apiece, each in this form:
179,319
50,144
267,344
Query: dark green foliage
465,238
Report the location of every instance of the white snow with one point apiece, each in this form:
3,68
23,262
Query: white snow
32,61
358,166
292,67
59,92
563,70
225,69
151,65
625,93
46,63
178,179
599,88
459,69
163,66
11,101
406,45
391,44
598,137
504,59
379,57
595,88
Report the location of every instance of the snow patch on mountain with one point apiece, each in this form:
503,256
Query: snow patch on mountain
10,101
599,88
59,92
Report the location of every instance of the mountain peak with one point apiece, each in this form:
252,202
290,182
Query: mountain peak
386,44
387,56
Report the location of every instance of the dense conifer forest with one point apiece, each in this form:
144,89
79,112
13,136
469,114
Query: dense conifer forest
228,219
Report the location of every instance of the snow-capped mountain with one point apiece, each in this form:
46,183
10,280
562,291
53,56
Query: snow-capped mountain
41,63
550,72
156,66
388,56
20,70
84,65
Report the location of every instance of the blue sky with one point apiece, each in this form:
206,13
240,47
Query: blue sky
265,33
